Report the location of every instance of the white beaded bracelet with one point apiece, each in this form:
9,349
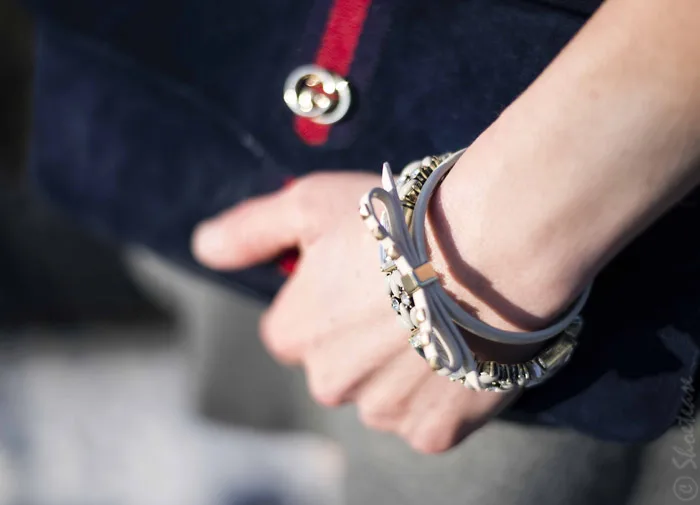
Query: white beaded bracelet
431,314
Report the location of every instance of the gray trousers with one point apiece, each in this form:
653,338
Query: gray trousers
503,463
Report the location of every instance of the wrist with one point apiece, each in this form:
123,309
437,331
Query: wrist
491,257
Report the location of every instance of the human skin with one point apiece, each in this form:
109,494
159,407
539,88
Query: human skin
604,142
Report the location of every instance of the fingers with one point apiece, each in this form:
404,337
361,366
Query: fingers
253,232
385,400
443,413
434,421
337,367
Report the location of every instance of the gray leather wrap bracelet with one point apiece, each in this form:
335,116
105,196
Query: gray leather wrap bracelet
429,312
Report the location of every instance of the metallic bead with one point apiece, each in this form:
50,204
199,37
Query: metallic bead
535,370
388,266
558,353
520,374
523,374
412,315
506,386
491,369
434,363
424,339
403,311
403,322
393,252
378,233
420,276
514,372
405,190
506,373
410,283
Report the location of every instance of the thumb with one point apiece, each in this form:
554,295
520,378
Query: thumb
252,232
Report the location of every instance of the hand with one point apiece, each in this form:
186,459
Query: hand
333,317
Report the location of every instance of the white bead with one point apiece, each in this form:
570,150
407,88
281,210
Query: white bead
424,339
486,379
396,283
473,381
387,284
404,323
412,314
406,317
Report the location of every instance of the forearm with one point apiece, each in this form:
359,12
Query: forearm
599,146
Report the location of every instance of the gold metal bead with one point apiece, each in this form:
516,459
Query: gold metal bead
434,363
490,368
393,252
378,233
558,353
424,339
523,371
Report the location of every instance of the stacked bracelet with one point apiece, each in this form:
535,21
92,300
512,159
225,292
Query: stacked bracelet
431,315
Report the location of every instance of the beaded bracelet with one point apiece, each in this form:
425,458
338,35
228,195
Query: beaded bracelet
424,307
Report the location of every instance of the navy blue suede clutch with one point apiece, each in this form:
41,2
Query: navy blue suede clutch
150,116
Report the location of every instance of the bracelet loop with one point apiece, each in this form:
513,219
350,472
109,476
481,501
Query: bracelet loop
426,308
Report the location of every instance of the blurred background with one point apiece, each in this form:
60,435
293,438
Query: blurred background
121,377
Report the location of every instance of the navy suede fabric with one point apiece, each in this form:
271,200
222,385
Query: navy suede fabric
150,116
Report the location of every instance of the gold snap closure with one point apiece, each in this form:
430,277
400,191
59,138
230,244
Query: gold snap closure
315,93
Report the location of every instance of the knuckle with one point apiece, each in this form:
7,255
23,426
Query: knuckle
310,194
428,445
323,395
377,418
304,189
304,197
433,440
322,390
272,339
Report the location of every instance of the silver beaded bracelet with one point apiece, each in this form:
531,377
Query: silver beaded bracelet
425,308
